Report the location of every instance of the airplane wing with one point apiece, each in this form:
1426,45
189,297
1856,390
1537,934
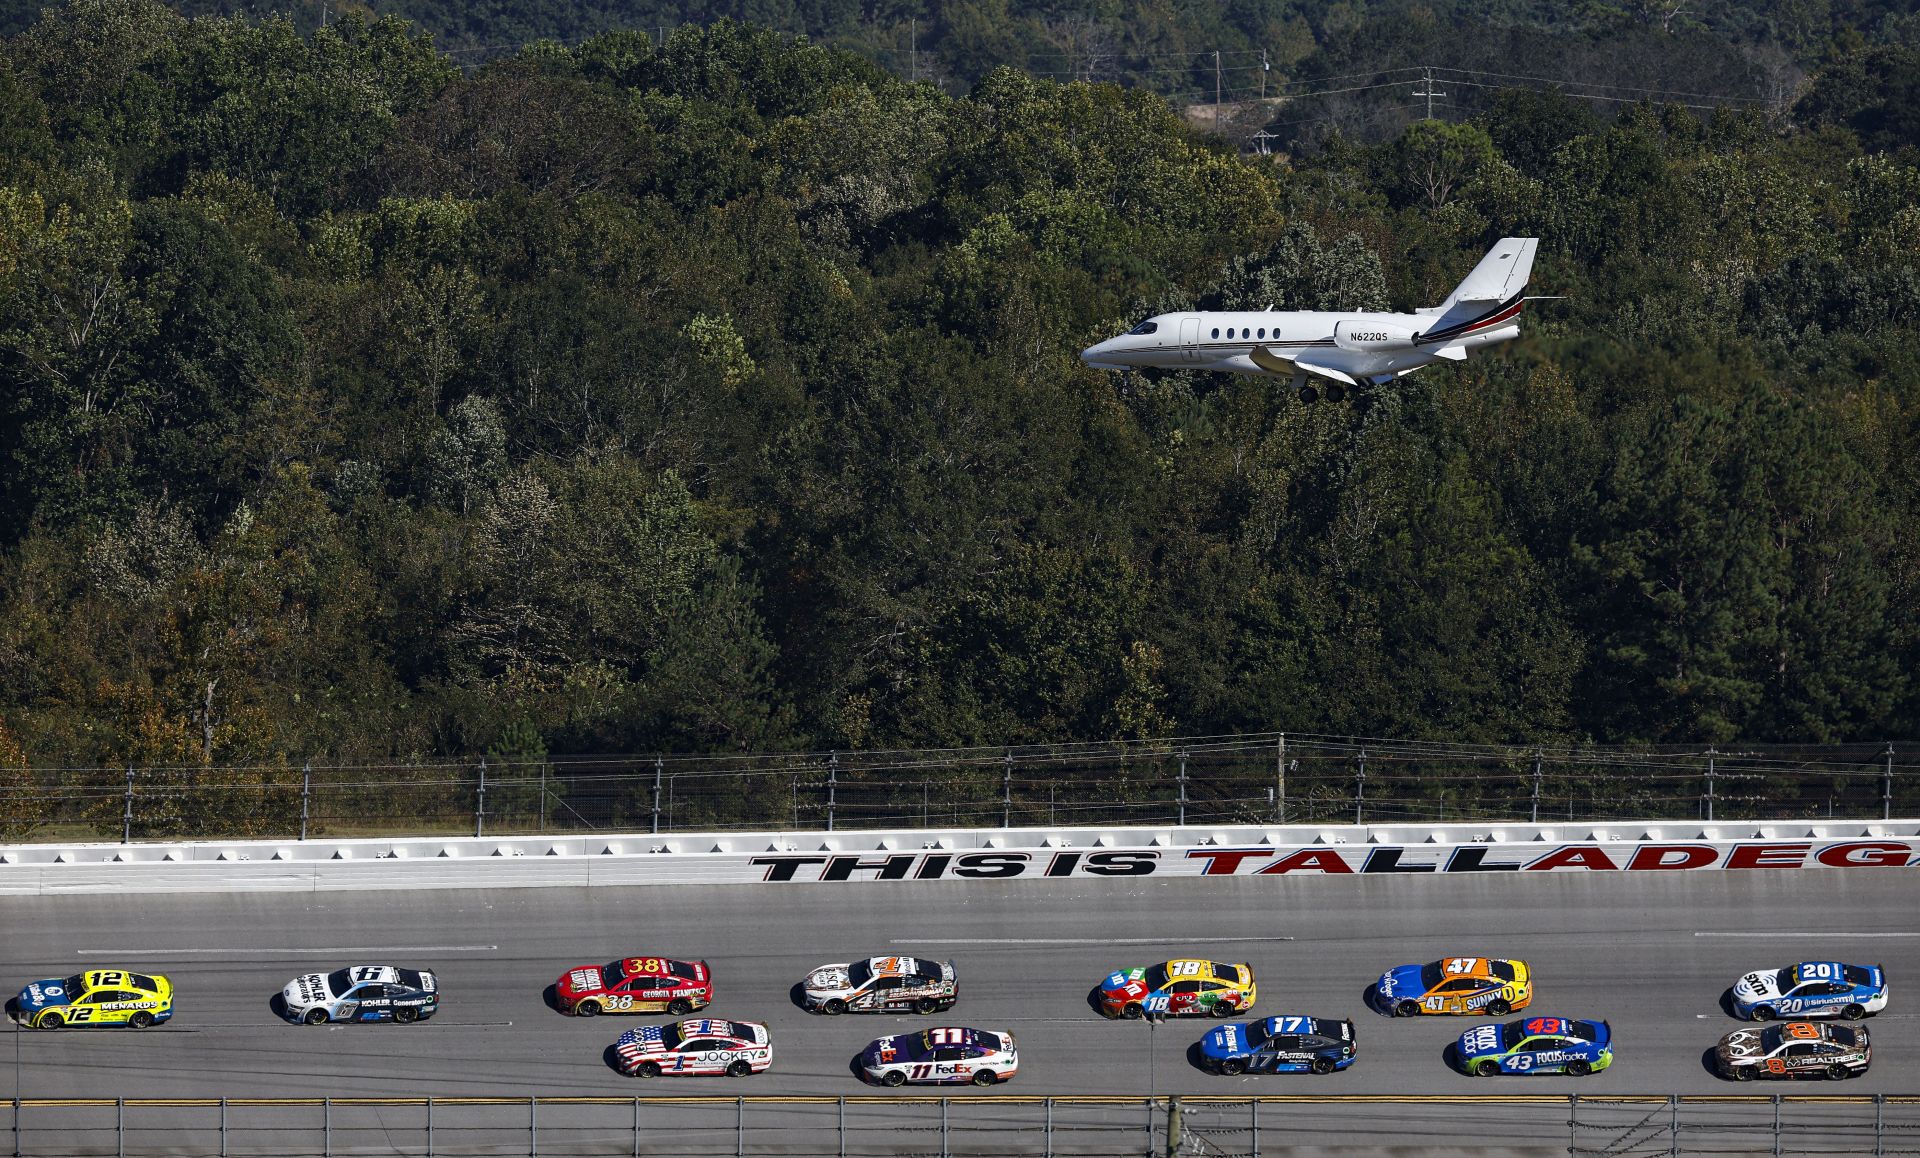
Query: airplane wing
1277,363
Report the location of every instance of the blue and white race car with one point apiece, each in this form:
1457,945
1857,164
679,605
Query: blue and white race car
362,993
1280,1045
1811,989
1537,1045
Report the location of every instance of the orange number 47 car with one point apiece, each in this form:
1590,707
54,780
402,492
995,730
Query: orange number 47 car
1456,985
636,985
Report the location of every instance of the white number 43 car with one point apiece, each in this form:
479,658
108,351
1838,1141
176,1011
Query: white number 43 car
948,1055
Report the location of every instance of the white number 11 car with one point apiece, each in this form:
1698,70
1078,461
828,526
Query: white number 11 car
944,1056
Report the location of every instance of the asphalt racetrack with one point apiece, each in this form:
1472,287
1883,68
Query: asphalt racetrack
1653,953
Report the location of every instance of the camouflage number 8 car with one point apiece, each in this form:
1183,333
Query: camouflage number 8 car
1795,1049
96,997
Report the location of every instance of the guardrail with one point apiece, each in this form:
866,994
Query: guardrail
921,856
990,1124
1274,778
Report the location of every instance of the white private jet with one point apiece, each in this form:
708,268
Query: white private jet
1341,349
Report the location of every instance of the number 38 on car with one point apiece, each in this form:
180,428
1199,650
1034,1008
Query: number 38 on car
96,997
696,1046
1537,1045
948,1055
636,985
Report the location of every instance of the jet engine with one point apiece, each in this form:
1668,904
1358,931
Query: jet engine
1371,335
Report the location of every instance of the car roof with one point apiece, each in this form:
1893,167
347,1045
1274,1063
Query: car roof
1828,971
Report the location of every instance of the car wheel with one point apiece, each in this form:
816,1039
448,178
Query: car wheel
833,1007
983,1077
1406,1009
1132,1012
679,1007
406,1013
1322,1065
315,1017
1853,1012
647,1070
1742,1073
926,1005
1763,1013
1837,1072
893,1078
587,1009
1498,1008
1579,1069
1488,1068
50,1021
140,1020
1233,1067
739,1069
1225,1009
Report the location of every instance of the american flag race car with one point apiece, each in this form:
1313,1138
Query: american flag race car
1794,1049
636,985
1811,989
362,993
945,1056
696,1046
882,984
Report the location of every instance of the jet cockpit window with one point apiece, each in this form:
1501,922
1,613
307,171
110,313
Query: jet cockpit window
1143,328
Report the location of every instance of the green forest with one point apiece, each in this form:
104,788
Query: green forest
721,394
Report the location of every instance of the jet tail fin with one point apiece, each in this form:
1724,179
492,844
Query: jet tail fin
1501,275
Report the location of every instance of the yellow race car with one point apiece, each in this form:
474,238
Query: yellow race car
1179,988
1455,985
96,997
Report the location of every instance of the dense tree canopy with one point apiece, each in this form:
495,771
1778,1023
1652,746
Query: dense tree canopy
722,394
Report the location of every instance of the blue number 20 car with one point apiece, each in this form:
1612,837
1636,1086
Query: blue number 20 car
1279,1045
1811,989
1537,1045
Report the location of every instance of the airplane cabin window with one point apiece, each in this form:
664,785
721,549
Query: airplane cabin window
1145,328
1229,331
1216,331
1263,331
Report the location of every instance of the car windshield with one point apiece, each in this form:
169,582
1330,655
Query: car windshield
1844,1035
142,981
1585,1030
1501,969
859,973
1857,975
1430,976
339,981
1256,1033
670,1038
1771,1037
986,1040
928,970
610,975
409,978
1145,328
1156,977
76,985
1228,973
1511,1033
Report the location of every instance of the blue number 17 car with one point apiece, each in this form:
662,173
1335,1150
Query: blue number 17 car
1280,1045
1537,1045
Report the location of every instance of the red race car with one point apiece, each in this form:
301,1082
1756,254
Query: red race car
636,985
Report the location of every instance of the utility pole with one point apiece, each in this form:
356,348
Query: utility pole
1216,90
1426,90
1265,67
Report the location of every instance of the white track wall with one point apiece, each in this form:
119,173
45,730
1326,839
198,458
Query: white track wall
795,858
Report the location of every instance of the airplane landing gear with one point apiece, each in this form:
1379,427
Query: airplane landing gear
1309,395
1336,393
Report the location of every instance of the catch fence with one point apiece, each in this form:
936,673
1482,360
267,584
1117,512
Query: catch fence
857,1126
1249,779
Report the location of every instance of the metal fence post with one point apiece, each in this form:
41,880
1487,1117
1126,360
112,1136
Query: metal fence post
659,767
1360,789
1776,1126
1886,788
16,1128
1710,755
1539,773
1879,1122
1673,1123
326,1127
126,821
843,1126
833,785
533,1127
945,1150
1280,776
1049,1130
306,795
480,802
1573,1123
120,1127
223,1128
543,796
739,1128
1151,1104
429,1127
1006,791
1183,787
636,1128
1255,1103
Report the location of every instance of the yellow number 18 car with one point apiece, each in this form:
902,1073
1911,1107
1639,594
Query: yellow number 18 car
96,997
